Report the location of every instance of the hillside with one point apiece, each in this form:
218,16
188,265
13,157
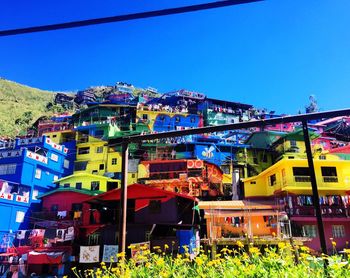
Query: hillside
20,106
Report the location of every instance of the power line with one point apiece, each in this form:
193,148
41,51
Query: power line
118,18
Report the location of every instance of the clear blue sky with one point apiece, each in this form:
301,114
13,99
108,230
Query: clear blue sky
271,54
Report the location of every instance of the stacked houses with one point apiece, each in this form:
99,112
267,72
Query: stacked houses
60,185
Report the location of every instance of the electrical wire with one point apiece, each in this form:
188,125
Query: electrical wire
126,17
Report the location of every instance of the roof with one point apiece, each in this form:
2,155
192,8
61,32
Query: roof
344,149
70,189
297,135
263,139
235,205
92,176
138,191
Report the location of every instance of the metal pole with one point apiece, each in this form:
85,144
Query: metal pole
316,201
123,198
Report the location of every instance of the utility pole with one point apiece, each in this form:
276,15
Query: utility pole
315,196
123,197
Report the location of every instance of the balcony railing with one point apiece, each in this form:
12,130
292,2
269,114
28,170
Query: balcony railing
302,178
327,211
330,179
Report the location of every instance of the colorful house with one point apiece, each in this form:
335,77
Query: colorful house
27,169
288,183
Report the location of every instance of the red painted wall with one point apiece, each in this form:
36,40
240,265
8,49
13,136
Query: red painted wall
64,200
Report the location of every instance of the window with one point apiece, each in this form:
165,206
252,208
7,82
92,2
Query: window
145,117
114,161
338,231
35,194
66,185
80,165
253,182
7,169
154,206
78,185
329,174
54,157
66,164
20,216
301,174
77,207
309,231
102,166
54,208
54,136
99,149
55,178
322,157
84,150
293,143
95,185
264,157
272,180
38,173
226,169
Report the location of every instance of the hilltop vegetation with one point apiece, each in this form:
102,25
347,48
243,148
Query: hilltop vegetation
20,106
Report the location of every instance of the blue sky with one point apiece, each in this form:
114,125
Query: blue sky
271,54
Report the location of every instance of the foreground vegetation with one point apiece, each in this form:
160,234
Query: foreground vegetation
251,262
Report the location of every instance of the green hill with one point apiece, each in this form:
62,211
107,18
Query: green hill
20,106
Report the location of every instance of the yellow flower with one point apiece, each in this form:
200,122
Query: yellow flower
334,244
239,244
166,246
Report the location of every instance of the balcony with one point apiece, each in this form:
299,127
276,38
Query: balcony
302,179
326,210
330,179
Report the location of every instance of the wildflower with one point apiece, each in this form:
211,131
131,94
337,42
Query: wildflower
166,246
334,244
240,244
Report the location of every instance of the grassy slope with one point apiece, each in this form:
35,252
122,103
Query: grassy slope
15,99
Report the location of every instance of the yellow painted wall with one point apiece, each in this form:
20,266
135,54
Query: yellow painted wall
86,181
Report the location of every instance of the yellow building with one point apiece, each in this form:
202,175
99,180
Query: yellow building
84,181
292,175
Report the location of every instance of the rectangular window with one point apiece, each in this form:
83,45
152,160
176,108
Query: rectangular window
66,185
20,216
329,174
102,166
95,185
54,208
80,165
301,174
272,180
226,169
293,143
7,169
338,231
35,194
84,150
77,207
66,164
99,149
114,161
78,185
154,206
54,157
145,117
38,173
310,231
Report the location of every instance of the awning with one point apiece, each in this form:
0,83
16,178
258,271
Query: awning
45,257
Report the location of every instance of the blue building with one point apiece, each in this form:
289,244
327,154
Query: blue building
28,168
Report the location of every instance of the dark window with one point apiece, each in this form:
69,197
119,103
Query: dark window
226,169
78,185
301,174
80,165
329,174
253,182
264,157
54,136
77,207
66,185
155,206
54,207
145,117
84,150
95,185
114,161
272,180
102,166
